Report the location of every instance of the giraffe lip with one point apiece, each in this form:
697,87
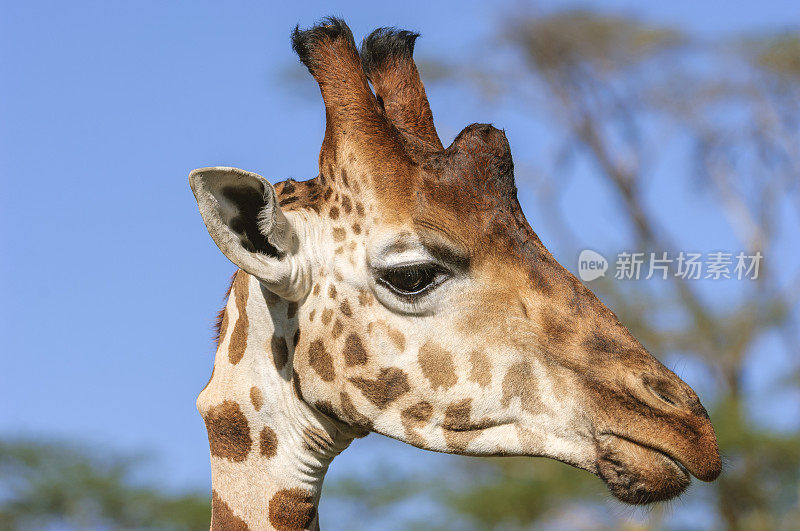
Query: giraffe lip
655,450
638,473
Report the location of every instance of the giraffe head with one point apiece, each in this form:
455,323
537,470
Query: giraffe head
427,308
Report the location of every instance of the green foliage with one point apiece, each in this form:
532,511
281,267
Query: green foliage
572,38
522,490
55,483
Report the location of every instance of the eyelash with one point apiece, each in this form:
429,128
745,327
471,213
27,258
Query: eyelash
432,276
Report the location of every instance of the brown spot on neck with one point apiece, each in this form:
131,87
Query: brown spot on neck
222,517
228,431
238,343
437,365
267,442
292,509
221,324
256,398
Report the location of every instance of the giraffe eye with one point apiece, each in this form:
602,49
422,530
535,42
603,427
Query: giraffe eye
412,280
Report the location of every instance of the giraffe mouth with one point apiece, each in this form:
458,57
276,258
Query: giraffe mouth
639,474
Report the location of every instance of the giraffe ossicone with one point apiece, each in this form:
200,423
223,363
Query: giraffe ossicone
402,291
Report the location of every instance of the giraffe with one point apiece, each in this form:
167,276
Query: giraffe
403,292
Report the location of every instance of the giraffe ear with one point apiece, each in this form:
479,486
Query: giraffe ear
242,215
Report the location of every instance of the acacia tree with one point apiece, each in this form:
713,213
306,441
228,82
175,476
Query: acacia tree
630,102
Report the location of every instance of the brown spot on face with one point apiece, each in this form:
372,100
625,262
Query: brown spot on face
365,298
359,209
347,205
280,351
390,384
345,180
296,338
437,365
356,228
344,307
222,517
268,442
228,431
337,329
256,398
519,381
316,289
397,338
291,310
352,415
320,360
332,291
415,417
334,212
339,234
458,429
238,342
292,509
481,372
354,351
328,193
327,315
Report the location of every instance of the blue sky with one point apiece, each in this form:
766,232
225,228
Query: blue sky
110,281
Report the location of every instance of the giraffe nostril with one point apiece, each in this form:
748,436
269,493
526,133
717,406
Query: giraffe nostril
664,391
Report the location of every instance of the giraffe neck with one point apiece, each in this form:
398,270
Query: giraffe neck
269,449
